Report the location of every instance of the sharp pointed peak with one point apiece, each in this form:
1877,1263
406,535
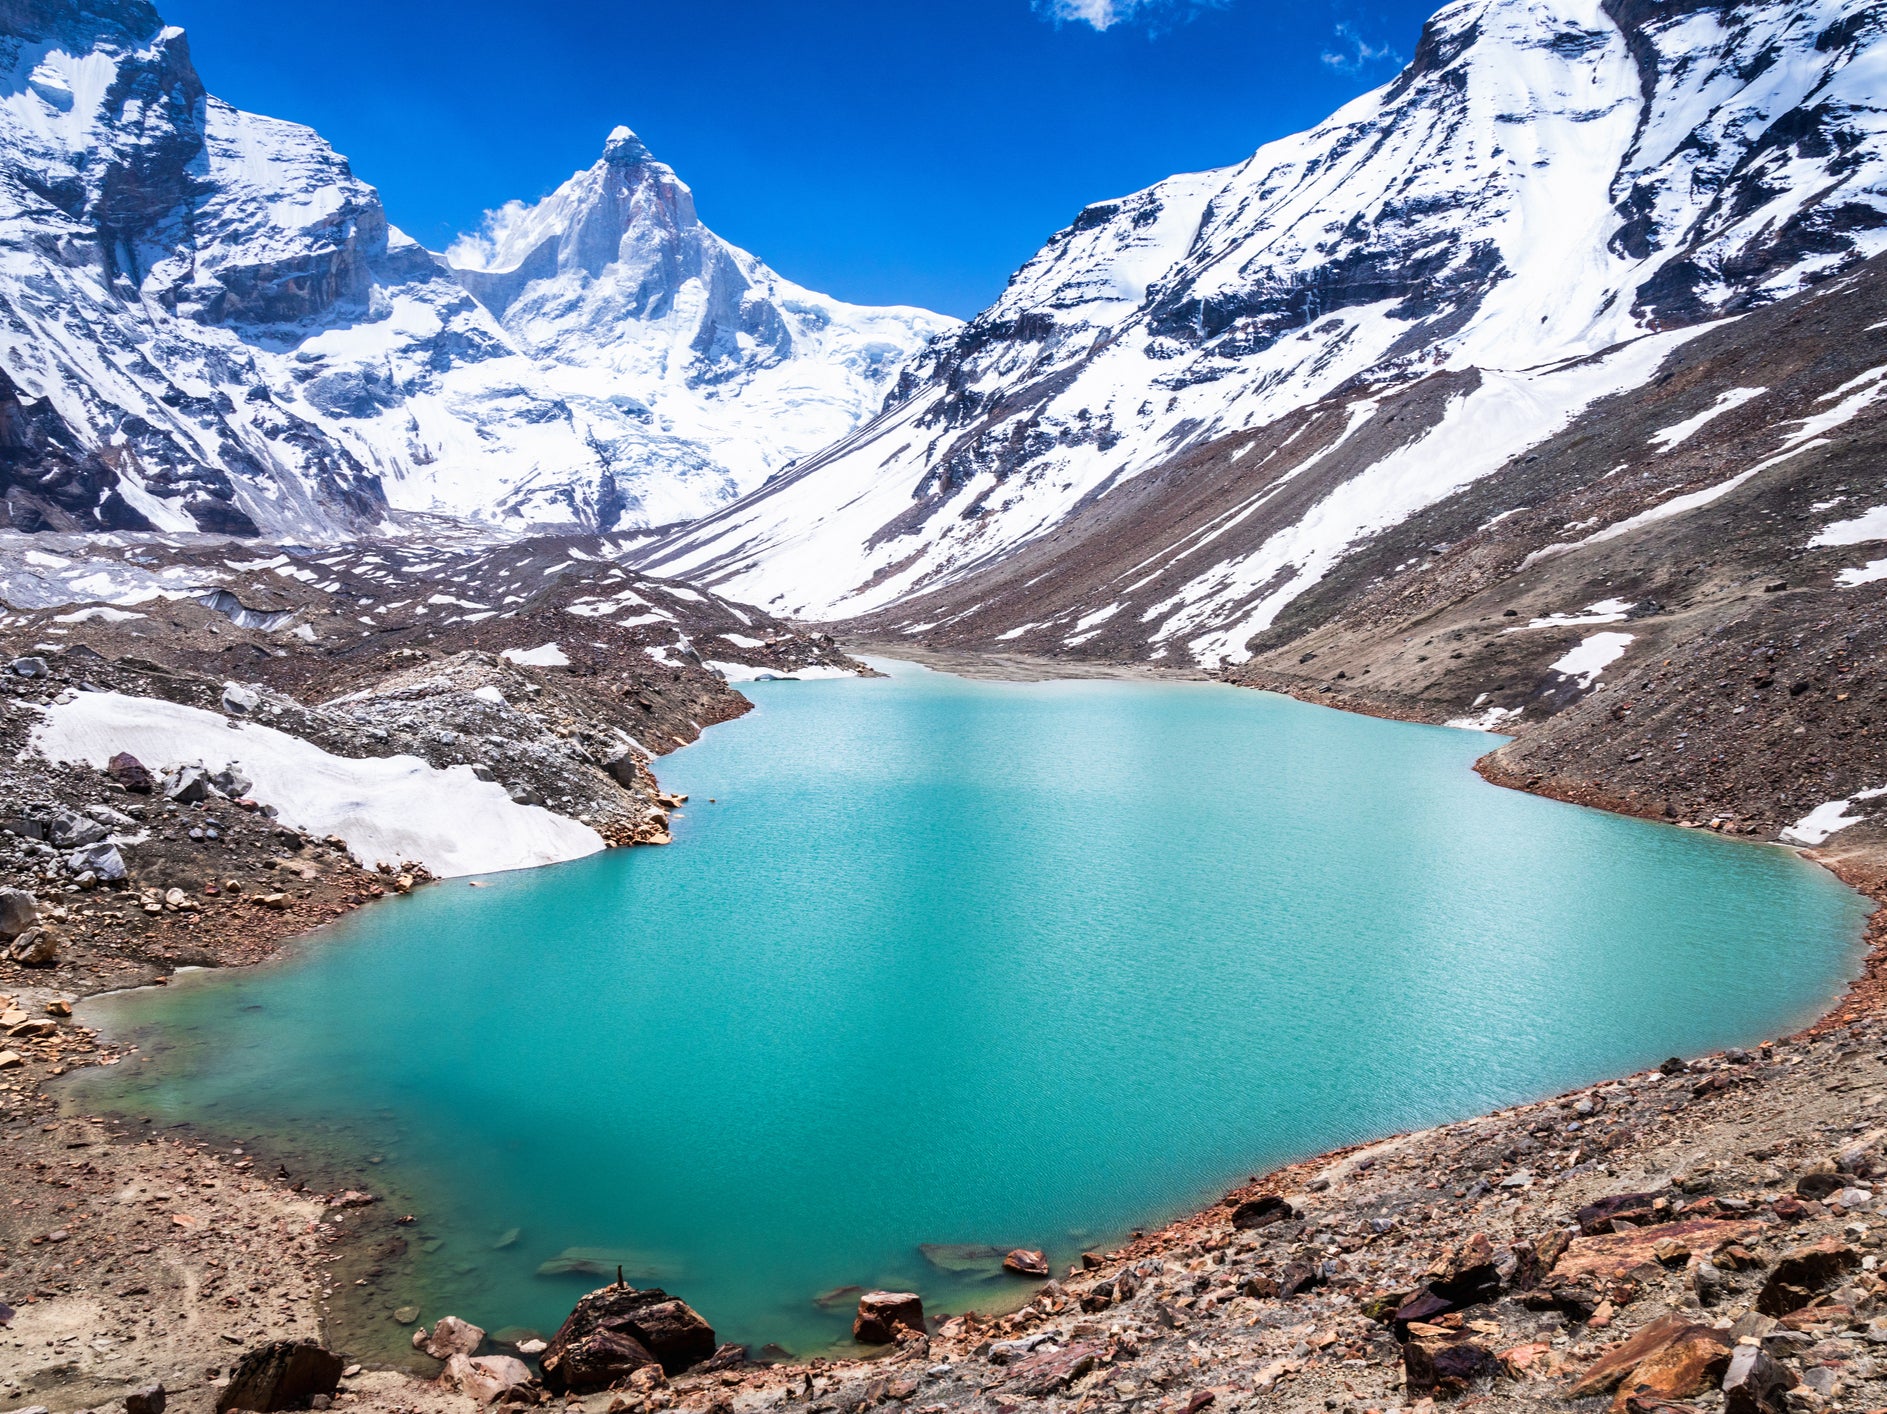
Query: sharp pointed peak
622,147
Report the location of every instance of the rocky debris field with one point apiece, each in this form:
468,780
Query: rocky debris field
129,1254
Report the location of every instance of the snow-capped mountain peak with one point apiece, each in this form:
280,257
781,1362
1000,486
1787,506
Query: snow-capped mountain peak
208,322
1440,275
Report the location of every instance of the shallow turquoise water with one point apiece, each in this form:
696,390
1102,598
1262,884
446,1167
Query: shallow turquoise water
951,961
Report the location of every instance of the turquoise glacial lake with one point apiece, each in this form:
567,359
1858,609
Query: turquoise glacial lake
948,961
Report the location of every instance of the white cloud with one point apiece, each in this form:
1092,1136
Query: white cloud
1105,14
1352,53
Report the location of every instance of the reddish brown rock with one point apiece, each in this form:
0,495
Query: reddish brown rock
617,1330
1802,1273
1695,1360
1026,1262
1604,1374
129,772
882,1314
1048,1371
1444,1363
1261,1212
1615,1254
1640,1208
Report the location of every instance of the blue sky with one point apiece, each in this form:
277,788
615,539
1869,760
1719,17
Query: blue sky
885,151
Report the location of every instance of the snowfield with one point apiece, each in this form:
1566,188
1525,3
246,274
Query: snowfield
387,809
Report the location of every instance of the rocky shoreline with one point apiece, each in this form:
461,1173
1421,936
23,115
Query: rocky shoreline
174,1257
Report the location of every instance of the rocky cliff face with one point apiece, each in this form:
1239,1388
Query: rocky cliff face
207,322
1198,402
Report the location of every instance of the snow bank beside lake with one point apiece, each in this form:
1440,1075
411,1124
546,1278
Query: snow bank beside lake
389,808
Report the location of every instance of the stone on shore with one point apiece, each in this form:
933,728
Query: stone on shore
1026,1262
284,1374
450,1337
882,1314
617,1330
1255,1213
486,1378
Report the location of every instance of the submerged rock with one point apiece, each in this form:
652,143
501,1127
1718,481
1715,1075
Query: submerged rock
961,1256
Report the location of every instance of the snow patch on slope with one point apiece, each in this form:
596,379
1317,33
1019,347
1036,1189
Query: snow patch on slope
387,809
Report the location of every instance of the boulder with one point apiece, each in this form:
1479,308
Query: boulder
239,700
1690,1363
449,1337
1802,1273
1605,1373
67,829
102,860
145,1399
1048,1371
232,782
1445,1364
617,1330
1637,1208
882,1314
1755,1382
36,947
1261,1212
486,1378
1295,1277
187,785
1617,1253
1817,1186
18,912
28,667
1026,1262
284,1374
131,773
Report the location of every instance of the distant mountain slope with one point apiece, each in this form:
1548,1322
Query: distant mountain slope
1197,403
207,322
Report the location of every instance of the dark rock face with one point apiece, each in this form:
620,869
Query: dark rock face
1802,1273
1637,1208
617,1330
1446,1364
284,1374
1260,1212
1755,1382
883,1314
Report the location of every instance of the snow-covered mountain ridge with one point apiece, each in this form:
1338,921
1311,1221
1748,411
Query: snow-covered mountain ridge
207,322
1345,329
